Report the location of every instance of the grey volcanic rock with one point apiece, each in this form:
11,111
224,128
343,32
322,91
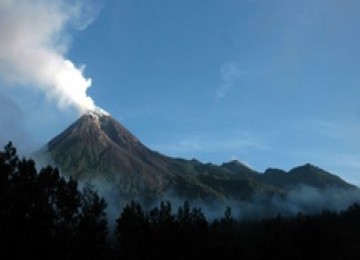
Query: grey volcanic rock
98,147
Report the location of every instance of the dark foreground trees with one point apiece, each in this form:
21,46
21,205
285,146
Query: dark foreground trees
45,216
161,234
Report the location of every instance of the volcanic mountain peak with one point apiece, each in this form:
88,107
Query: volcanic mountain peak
98,111
96,146
115,131
96,125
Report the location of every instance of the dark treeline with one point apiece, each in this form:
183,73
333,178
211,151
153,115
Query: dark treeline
43,215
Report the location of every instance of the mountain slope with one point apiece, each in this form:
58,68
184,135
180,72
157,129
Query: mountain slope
98,147
306,175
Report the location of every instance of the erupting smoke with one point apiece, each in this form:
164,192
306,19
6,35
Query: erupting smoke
33,43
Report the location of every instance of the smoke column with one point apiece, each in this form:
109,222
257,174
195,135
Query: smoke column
33,44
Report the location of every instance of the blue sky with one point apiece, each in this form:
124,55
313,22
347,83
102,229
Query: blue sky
270,83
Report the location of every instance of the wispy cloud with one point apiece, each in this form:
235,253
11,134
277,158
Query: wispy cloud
230,73
342,136
345,129
233,143
331,143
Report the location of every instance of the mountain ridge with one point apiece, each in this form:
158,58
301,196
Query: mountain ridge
96,146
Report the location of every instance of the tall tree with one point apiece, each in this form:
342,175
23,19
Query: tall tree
132,232
91,236
43,215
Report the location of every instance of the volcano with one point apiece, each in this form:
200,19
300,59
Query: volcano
97,147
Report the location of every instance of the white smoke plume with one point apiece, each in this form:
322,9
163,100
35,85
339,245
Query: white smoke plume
33,44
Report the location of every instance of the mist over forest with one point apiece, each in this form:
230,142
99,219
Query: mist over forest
161,129
44,215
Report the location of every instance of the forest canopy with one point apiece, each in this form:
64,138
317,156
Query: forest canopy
44,215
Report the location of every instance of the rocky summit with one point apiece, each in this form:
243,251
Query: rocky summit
98,147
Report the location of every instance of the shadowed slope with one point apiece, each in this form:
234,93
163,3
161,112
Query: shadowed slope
98,147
